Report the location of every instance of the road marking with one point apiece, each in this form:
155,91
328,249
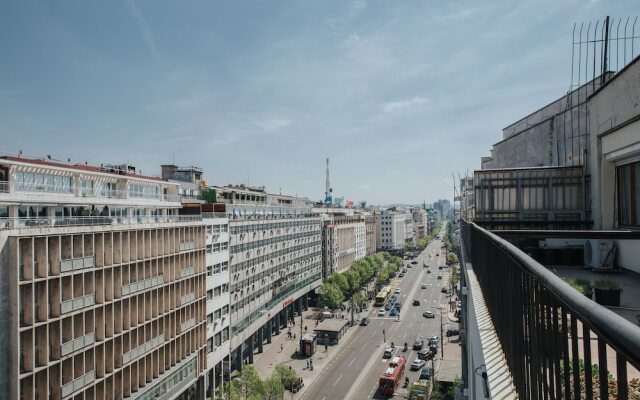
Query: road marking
337,380
349,365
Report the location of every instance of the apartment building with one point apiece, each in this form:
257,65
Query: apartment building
275,264
103,293
344,239
391,229
218,300
192,192
370,233
409,233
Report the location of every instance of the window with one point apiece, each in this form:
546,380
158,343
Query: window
218,314
210,345
217,291
209,294
209,270
225,334
225,288
218,339
628,187
210,318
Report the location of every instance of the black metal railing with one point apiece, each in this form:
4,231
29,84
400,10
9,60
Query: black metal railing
542,324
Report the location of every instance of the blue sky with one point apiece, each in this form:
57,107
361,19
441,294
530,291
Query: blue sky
399,94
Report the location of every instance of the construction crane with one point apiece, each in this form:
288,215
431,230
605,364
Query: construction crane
328,198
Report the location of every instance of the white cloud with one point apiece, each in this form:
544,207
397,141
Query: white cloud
404,105
147,35
391,173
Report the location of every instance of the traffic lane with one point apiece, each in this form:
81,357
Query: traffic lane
411,326
337,378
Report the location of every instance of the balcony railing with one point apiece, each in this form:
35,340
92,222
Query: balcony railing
61,222
79,191
546,328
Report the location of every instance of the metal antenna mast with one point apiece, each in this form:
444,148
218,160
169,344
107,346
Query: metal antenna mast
328,199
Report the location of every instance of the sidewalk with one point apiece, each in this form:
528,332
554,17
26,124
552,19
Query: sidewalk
266,362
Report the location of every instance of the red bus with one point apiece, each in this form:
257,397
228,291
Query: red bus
392,376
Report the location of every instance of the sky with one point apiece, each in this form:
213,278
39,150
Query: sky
398,94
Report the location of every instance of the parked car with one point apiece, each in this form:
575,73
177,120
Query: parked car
417,364
381,313
423,354
400,275
424,286
364,321
397,305
434,340
426,373
416,302
398,290
428,314
444,290
404,270
439,276
414,262
440,267
428,271
393,312
418,344
393,298
388,306
452,332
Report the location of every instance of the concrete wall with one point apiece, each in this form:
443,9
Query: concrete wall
9,361
613,113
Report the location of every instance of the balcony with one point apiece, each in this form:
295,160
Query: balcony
188,324
143,349
142,285
540,323
77,384
78,303
63,222
77,263
78,343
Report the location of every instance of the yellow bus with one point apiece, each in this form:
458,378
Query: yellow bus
382,296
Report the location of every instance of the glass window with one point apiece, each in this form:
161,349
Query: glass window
628,188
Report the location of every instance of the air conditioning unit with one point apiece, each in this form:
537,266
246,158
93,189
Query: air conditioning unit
599,254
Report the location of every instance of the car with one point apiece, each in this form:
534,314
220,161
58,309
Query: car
437,254
428,271
426,373
381,313
404,270
424,286
397,305
388,306
428,314
423,354
452,332
434,340
440,267
393,298
393,312
439,276
388,352
418,344
416,302
398,290
364,321
414,262
433,350
444,290
400,275
426,266
417,364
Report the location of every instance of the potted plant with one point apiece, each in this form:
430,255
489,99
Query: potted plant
607,293
581,285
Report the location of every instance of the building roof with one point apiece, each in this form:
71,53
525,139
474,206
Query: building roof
449,371
78,167
331,325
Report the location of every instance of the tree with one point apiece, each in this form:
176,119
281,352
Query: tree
330,295
246,385
273,388
287,376
341,281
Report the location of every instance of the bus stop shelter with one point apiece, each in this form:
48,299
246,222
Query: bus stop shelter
330,331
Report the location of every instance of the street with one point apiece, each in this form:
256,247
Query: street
354,372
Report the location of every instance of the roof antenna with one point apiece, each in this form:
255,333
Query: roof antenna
20,153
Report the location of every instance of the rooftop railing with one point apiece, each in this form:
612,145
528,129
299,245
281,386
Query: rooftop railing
61,222
79,191
557,343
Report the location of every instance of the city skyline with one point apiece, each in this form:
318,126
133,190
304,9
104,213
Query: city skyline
263,94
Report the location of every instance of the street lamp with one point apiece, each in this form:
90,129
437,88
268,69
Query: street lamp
441,332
